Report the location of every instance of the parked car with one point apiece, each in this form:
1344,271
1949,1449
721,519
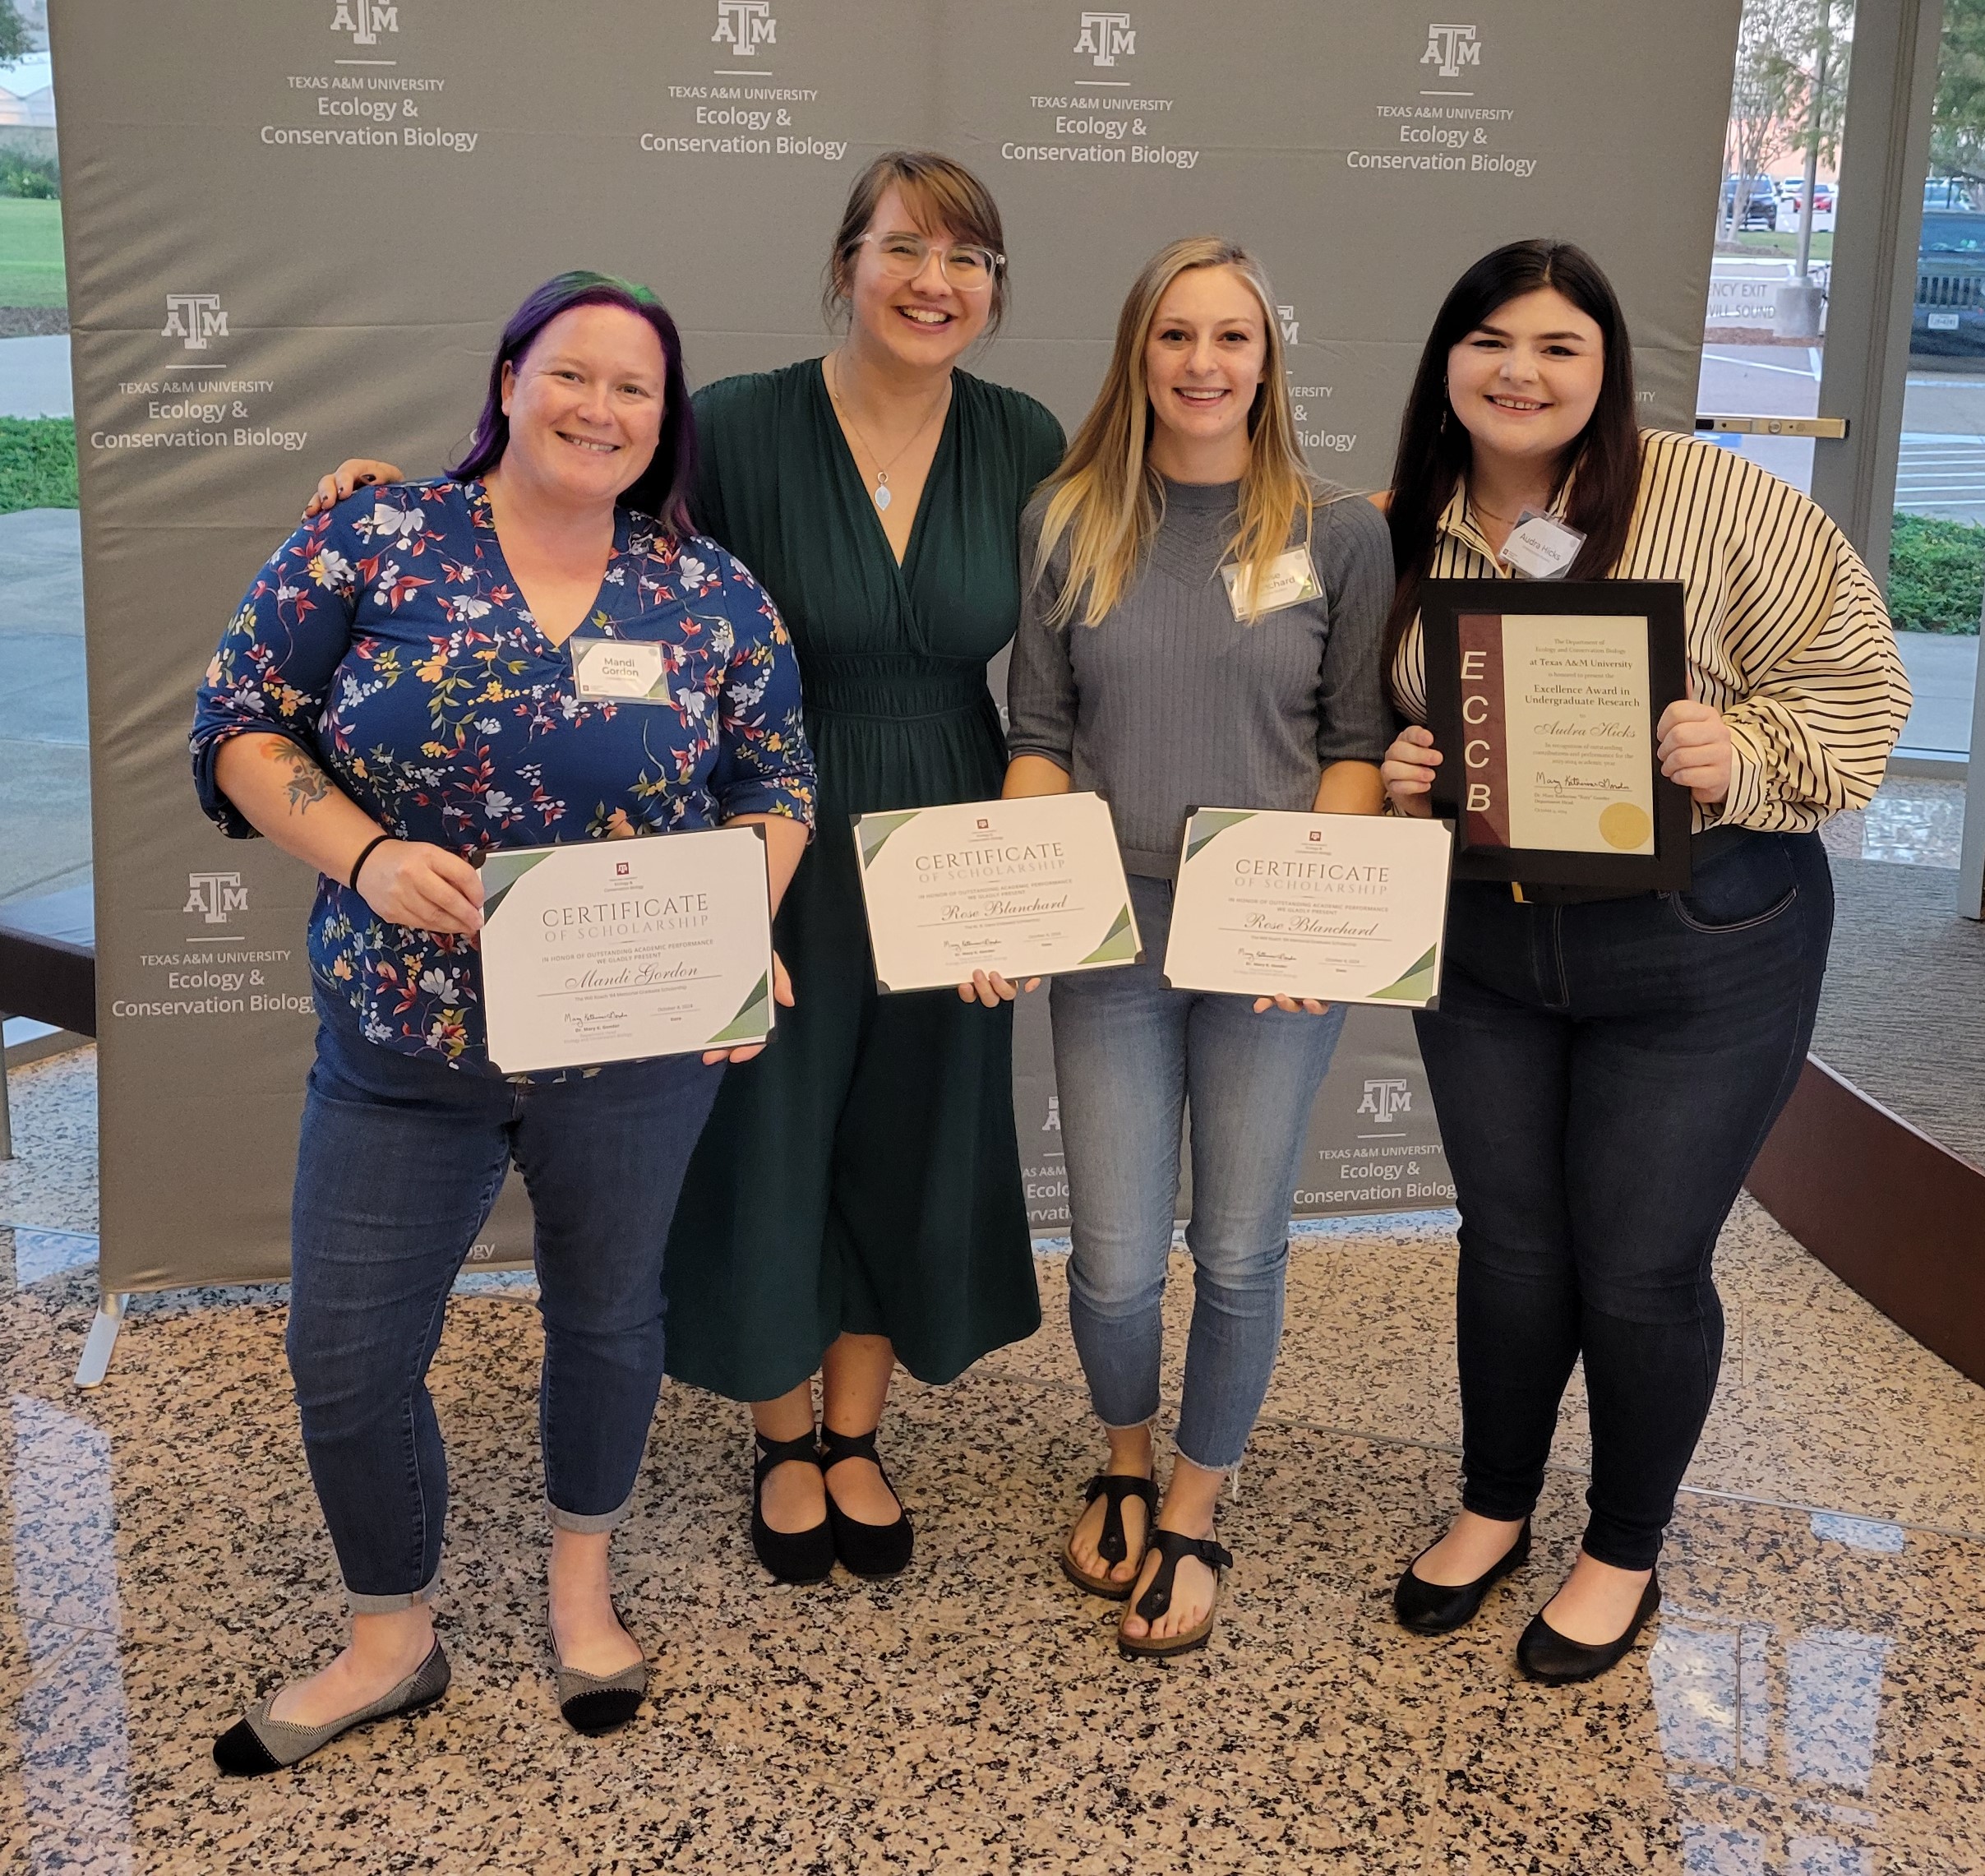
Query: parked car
1947,192
1949,313
1760,208
1791,194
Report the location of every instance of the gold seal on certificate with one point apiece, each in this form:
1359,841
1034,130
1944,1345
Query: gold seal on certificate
1544,700
615,950
1032,887
1345,908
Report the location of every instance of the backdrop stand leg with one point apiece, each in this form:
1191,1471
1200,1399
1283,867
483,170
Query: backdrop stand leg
95,1364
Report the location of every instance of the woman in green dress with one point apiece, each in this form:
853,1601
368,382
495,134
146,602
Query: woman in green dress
856,1200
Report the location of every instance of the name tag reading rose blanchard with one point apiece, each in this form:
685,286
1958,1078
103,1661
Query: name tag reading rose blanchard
1346,907
617,951
1027,888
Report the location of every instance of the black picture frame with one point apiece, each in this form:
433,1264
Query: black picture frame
1444,604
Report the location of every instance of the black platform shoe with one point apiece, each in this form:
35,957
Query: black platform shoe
792,1556
1440,1608
1558,1660
867,1549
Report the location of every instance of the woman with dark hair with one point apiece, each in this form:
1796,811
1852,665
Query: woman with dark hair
1606,1066
395,699
857,1200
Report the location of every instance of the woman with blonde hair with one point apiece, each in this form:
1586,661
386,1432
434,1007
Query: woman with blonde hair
1201,626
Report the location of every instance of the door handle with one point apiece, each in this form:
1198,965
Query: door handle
1833,428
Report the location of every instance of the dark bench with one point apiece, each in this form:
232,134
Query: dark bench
47,959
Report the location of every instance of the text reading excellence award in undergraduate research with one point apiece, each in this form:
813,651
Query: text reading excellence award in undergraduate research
1343,908
1032,887
615,951
1544,697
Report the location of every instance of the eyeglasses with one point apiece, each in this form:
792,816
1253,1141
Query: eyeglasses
904,256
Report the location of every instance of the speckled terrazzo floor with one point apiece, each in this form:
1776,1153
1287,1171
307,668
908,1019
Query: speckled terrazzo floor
1813,1704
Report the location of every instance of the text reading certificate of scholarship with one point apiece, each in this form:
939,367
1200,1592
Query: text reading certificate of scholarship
1032,887
616,950
1345,908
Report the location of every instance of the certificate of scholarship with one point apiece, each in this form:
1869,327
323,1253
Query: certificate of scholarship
615,951
1343,908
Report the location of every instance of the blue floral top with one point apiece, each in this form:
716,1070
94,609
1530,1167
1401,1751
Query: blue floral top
389,639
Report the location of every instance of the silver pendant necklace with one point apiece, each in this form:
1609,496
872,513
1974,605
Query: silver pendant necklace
880,495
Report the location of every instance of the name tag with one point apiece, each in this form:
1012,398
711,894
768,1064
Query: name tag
619,669
1289,580
1541,547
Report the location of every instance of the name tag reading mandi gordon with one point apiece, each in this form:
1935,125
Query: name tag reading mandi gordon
616,950
1028,888
1543,700
1345,908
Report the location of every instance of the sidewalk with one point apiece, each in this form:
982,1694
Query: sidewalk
34,377
44,729
1943,672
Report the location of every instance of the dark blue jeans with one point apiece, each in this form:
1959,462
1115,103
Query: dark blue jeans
1604,1075
399,1162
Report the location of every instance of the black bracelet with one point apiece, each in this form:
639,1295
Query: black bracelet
365,853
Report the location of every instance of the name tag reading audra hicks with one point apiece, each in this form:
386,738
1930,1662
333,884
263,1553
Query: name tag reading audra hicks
1541,547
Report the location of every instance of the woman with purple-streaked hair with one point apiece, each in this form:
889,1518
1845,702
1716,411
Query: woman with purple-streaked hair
394,699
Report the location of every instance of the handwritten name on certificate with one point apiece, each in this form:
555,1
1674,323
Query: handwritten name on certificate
1344,907
615,951
1578,732
1027,888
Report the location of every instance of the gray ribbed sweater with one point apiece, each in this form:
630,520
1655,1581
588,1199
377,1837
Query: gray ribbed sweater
1171,703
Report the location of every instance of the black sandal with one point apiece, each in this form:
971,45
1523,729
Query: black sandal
1172,1546
792,1556
866,1549
1113,1543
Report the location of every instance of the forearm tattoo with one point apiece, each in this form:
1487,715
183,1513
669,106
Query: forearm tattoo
304,783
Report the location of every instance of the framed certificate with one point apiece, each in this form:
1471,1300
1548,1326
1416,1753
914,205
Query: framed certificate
614,950
1349,907
1543,697
1027,888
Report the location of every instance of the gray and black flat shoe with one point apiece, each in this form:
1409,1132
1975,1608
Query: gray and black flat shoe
256,1743
596,1703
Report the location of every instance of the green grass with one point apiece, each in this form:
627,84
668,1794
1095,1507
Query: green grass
1785,242
1936,574
37,463
30,253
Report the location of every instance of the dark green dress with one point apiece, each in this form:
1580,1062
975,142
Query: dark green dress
862,1175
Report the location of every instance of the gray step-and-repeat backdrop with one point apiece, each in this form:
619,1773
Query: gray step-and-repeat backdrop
295,227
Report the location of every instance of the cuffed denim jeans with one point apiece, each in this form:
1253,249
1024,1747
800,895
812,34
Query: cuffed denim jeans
1604,1075
1130,1055
399,1162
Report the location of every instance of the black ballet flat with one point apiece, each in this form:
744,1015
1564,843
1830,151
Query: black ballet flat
792,1556
1543,1655
1440,1608
866,1549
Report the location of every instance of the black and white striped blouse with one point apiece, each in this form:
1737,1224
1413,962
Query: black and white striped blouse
1788,636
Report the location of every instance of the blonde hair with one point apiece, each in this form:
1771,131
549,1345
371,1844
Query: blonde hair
1107,498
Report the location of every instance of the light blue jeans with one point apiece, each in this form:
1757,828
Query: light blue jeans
1128,1055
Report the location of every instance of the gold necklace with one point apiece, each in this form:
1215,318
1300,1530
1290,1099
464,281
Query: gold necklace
881,496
